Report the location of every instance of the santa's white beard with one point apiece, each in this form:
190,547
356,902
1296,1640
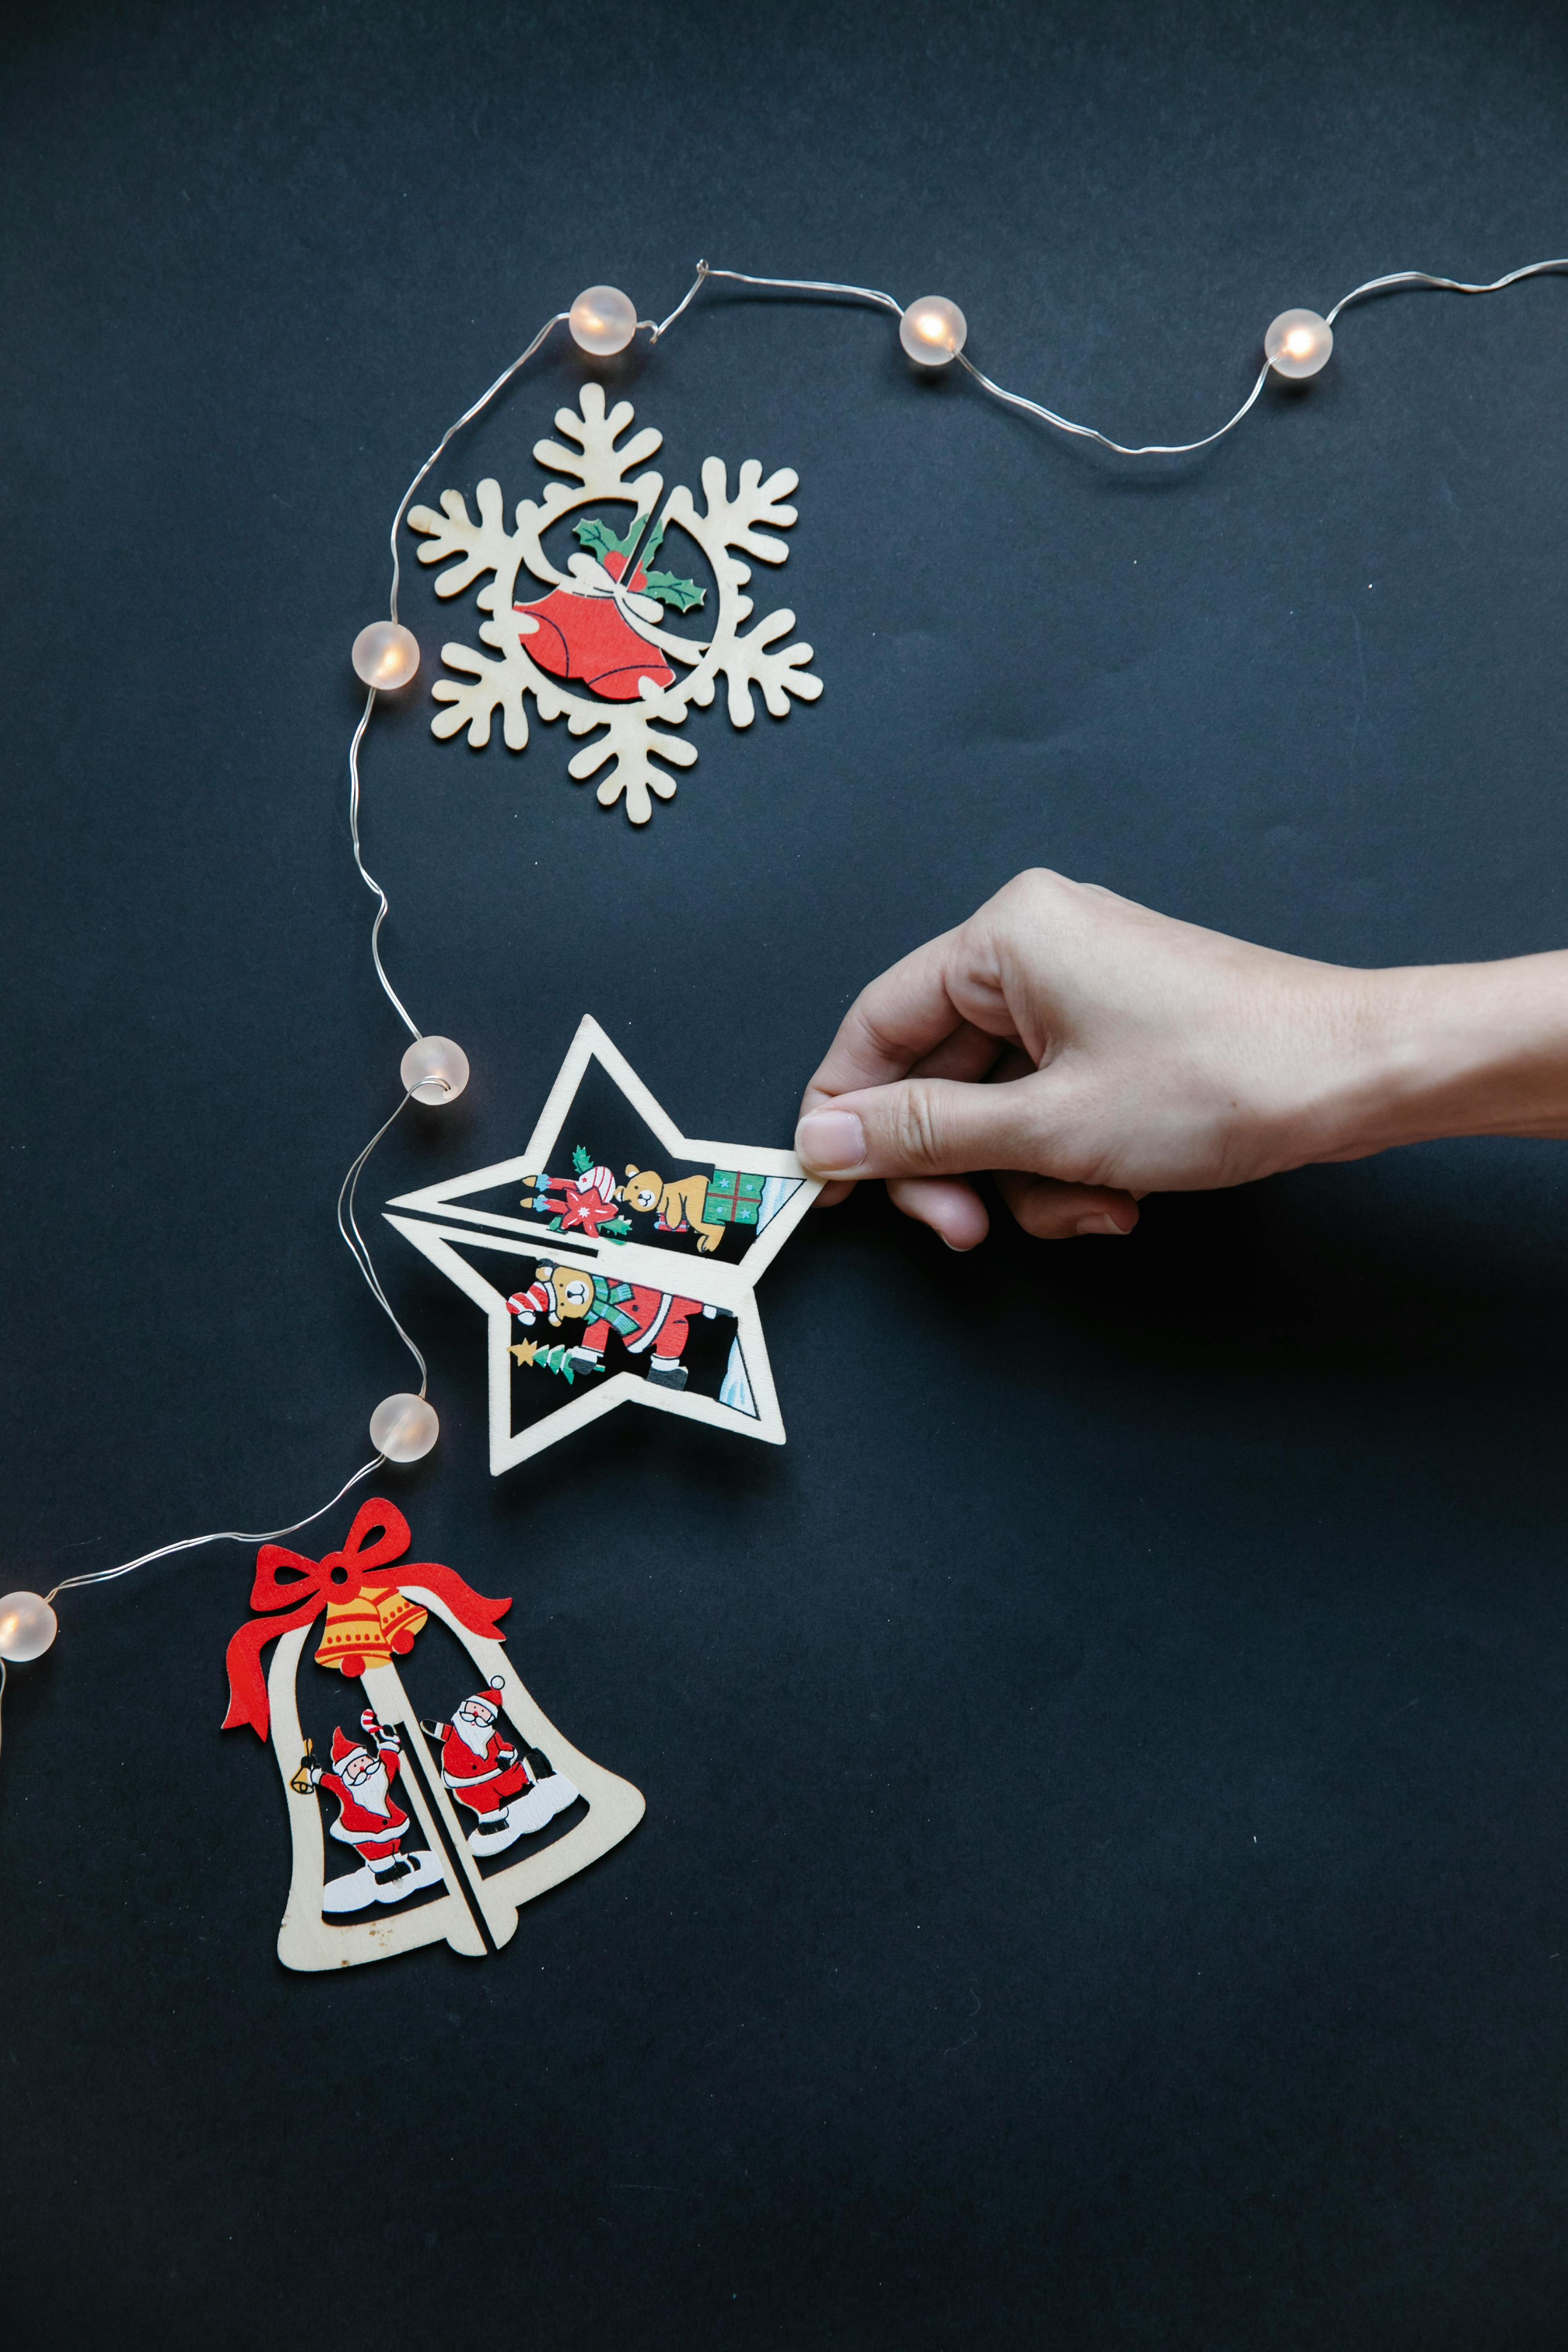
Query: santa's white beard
369,1793
476,1736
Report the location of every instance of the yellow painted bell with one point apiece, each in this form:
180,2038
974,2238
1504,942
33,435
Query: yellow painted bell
401,1619
365,1631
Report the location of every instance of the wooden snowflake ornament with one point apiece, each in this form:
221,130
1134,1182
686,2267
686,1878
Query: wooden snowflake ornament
594,649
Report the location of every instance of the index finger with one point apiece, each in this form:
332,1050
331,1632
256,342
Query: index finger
893,1024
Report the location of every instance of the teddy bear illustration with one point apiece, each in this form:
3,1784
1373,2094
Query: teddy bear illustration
681,1206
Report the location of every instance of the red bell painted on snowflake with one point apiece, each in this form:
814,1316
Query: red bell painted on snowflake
598,632
602,645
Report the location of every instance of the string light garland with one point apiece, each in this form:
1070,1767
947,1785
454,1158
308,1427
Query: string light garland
385,657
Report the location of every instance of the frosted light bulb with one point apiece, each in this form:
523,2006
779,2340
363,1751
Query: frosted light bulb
385,655
603,320
1298,343
932,331
433,1070
28,1627
404,1428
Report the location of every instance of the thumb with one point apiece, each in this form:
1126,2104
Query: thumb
928,1127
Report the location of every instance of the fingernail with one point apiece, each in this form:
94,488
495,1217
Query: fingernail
1101,1224
830,1143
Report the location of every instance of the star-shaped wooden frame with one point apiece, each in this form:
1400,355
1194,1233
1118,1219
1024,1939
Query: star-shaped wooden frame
728,1286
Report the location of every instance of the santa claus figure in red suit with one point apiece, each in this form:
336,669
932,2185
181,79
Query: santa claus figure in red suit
370,1818
510,1791
652,1323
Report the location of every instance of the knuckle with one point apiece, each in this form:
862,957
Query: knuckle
917,1128
880,1042
1033,883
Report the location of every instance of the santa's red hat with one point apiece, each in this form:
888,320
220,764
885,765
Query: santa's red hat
343,1748
537,1300
488,1698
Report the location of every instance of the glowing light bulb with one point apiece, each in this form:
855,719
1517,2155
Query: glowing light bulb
433,1070
932,331
404,1428
28,1627
1298,343
385,655
603,320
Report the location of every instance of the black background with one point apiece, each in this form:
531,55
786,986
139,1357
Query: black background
1104,1881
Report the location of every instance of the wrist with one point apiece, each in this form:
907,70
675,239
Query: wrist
1449,1050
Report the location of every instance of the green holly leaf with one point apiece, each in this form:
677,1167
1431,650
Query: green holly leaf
616,1227
582,1161
600,539
598,536
682,593
555,1225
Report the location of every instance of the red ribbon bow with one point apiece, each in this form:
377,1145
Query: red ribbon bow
340,1576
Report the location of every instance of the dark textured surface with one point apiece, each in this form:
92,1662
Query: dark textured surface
1103,1882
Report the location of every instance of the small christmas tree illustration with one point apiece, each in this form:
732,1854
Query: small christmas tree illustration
532,1354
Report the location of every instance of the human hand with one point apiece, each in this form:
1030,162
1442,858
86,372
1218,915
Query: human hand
1090,1051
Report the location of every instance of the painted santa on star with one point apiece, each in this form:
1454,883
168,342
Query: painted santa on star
652,1323
487,1773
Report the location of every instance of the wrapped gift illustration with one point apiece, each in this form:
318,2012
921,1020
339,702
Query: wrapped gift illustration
734,1198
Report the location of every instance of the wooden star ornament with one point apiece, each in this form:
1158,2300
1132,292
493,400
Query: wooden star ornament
615,1260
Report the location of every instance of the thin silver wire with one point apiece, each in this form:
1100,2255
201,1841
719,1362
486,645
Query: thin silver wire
998,391
384,903
1396,278
1088,432
1442,284
1012,399
348,1226
224,1535
782,286
688,296
467,416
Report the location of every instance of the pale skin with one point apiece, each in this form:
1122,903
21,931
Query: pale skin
1087,1051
